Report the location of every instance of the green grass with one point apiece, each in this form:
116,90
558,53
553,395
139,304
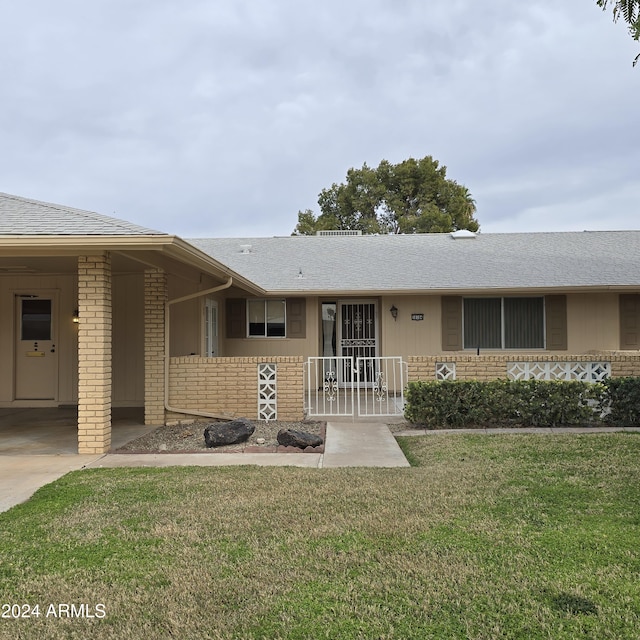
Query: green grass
504,536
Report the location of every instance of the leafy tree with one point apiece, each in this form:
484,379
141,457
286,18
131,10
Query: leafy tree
629,10
413,196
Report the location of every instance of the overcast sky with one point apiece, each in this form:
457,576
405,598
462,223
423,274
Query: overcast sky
227,117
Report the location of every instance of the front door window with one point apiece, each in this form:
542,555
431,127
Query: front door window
329,329
35,319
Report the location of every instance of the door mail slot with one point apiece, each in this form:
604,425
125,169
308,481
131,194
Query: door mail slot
35,354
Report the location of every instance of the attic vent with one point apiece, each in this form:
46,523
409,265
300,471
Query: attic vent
245,248
463,234
339,232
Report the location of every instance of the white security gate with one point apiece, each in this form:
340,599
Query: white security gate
327,393
346,386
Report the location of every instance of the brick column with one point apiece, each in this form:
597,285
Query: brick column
94,354
155,297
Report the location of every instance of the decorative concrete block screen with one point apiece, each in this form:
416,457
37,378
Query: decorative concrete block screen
267,391
445,370
587,371
594,367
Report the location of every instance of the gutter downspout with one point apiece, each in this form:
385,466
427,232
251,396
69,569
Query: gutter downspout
167,315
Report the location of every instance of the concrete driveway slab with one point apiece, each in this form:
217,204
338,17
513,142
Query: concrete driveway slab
21,476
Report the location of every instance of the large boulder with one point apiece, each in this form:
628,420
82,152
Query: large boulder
218,434
300,439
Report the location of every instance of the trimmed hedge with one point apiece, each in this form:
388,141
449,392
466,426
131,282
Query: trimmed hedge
507,403
621,406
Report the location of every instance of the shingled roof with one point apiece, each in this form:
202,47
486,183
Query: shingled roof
22,216
433,262
361,265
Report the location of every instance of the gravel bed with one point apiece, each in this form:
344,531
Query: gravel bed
190,437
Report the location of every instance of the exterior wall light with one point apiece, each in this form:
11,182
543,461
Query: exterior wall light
76,315
394,312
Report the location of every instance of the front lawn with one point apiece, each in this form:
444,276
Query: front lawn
504,536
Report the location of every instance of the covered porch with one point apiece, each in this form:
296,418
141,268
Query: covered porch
54,430
84,329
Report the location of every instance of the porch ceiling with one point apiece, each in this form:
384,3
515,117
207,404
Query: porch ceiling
59,255
65,264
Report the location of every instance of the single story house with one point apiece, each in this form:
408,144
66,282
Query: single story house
101,313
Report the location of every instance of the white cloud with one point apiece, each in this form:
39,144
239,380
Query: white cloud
227,118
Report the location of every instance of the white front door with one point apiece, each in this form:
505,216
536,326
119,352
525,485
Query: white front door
36,351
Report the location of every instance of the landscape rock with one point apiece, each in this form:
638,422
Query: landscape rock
217,434
299,439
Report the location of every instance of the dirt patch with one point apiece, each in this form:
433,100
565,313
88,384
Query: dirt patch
398,427
188,437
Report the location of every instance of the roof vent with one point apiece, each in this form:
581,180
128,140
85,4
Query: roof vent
245,248
339,232
462,234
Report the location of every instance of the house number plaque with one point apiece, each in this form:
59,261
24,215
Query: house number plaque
417,316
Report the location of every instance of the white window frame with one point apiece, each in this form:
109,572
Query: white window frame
266,317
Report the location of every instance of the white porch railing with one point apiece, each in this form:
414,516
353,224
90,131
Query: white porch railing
342,386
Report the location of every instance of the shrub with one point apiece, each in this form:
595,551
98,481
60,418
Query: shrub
470,403
622,402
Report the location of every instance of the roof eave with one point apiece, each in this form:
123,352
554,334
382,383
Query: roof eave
187,253
368,293
169,245
57,243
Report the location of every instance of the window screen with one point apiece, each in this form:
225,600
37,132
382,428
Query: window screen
523,323
482,323
503,323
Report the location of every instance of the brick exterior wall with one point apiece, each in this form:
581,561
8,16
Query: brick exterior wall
94,354
155,297
230,385
473,367
625,365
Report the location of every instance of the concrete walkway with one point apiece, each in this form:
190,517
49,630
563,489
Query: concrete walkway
361,444
348,444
